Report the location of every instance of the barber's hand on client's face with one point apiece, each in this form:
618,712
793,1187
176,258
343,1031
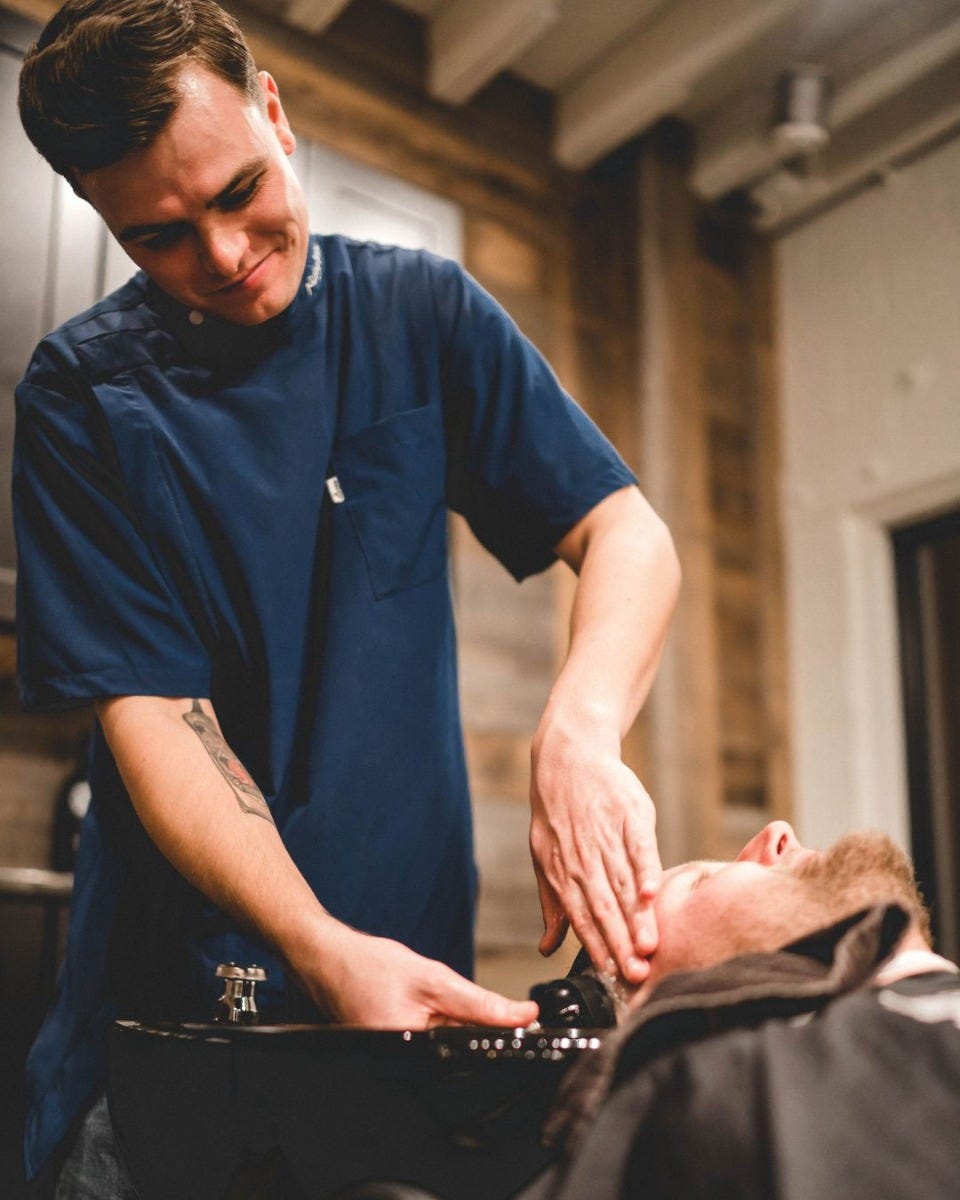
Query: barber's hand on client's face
594,846
381,984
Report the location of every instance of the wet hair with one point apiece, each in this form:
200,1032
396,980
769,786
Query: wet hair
103,77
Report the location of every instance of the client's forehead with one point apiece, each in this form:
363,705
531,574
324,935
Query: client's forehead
681,881
704,883
692,872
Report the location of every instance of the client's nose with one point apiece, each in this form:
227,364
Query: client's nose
773,843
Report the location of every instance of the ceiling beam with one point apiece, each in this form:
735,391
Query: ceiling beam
730,156
313,16
890,132
655,71
471,41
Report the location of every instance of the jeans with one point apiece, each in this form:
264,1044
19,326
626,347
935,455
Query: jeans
93,1169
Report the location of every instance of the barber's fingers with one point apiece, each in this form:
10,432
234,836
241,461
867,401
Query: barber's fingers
645,870
460,1002
597,917
634,907
382,984
555,923
575,881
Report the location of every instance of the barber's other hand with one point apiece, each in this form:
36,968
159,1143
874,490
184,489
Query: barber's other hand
594,847
381,984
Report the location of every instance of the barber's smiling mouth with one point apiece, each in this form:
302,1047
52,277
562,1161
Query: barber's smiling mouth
245,282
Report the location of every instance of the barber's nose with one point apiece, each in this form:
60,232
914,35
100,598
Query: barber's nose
222,249
773,843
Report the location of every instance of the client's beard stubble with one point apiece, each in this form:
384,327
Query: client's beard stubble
862,869
857,872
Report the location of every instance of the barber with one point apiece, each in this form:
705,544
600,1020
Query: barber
231,481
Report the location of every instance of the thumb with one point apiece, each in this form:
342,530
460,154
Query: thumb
470,1004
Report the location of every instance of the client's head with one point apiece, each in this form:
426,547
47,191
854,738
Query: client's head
775,892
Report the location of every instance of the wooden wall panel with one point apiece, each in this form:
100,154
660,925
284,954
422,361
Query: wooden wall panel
684,703
772,605
709,402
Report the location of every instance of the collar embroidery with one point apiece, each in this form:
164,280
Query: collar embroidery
316,268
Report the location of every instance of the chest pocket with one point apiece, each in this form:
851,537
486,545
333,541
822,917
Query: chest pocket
393,477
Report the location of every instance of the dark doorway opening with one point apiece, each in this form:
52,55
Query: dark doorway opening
927,558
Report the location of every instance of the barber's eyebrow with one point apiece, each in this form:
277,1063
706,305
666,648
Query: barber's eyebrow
253,167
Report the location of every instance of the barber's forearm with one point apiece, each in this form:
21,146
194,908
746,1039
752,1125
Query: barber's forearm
212,823
592,829
629,580
208,818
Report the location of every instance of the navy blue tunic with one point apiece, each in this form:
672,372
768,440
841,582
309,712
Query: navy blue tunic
177,537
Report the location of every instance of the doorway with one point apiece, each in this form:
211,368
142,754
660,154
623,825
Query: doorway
927,562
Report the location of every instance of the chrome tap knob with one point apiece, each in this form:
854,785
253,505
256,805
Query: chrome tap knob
237,1005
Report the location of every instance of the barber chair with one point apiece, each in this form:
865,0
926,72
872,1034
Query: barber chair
235,1109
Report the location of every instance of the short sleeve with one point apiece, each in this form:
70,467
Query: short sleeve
525,463
95,617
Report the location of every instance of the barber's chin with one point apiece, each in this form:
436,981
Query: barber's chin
253,311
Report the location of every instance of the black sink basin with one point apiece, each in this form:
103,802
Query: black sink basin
297,1111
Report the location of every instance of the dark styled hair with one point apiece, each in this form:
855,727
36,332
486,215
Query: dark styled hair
102,79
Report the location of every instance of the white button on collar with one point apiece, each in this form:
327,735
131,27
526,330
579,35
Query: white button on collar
195,316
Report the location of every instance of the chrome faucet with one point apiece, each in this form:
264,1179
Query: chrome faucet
237,1005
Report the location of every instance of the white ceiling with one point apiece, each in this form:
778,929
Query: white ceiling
615,67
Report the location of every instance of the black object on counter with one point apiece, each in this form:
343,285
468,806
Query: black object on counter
577,1002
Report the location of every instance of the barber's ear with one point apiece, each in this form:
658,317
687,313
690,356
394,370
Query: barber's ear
275,114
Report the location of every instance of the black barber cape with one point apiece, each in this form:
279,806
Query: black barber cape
773,1077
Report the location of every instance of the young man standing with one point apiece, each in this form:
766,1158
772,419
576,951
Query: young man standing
231,481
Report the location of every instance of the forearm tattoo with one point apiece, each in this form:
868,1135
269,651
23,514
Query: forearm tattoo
248,795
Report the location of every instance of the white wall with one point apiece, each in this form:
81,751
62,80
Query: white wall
869,300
